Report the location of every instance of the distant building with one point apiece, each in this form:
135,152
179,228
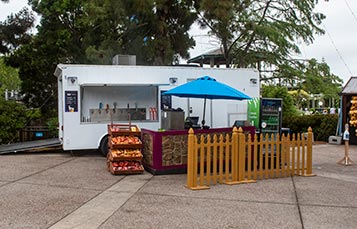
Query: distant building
213,58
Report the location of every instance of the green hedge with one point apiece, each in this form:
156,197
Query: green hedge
322,125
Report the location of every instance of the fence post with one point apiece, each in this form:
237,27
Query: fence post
241,154
190,159
234,159
191,182
235,155
243,157
309,153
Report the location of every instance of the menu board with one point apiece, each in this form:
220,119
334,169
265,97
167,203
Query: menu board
71,101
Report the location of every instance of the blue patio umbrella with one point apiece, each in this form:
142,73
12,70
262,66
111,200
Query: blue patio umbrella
207,88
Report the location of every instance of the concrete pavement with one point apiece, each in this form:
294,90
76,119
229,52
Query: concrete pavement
60,190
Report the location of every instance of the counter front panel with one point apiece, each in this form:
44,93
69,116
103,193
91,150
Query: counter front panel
166,152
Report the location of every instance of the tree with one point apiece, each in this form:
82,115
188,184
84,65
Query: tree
9,78
318,80
106,25
91,32
157,31
260,32
300,98
308,77
59,39
14,31
270,91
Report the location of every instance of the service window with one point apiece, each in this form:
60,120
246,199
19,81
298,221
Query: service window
118,103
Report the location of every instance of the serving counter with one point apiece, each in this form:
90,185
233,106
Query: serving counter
165,152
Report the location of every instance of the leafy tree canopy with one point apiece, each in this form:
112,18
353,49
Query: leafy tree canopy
270,91
92,32
155,31
263,33
318,79
311,77
9,78
15,30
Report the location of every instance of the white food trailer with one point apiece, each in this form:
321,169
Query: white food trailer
92,96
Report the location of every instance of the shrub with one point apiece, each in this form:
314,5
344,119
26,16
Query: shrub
322,125
52,124
12,118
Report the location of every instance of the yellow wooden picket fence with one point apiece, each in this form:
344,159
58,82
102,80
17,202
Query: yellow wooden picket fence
243,158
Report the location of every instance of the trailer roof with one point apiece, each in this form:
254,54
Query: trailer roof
61,67
351,86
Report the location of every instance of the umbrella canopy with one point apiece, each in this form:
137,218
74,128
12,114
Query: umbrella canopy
207,88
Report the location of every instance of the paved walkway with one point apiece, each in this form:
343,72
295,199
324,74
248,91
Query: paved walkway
59,190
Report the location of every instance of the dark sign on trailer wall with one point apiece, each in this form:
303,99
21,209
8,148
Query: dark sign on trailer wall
166,101
71,101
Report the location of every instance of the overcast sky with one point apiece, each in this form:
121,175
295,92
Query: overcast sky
338,46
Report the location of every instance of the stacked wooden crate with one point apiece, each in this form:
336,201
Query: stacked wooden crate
124,156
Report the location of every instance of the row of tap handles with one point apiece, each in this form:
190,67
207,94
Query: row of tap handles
107,107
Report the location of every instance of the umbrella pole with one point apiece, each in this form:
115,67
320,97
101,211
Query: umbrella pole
204,112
